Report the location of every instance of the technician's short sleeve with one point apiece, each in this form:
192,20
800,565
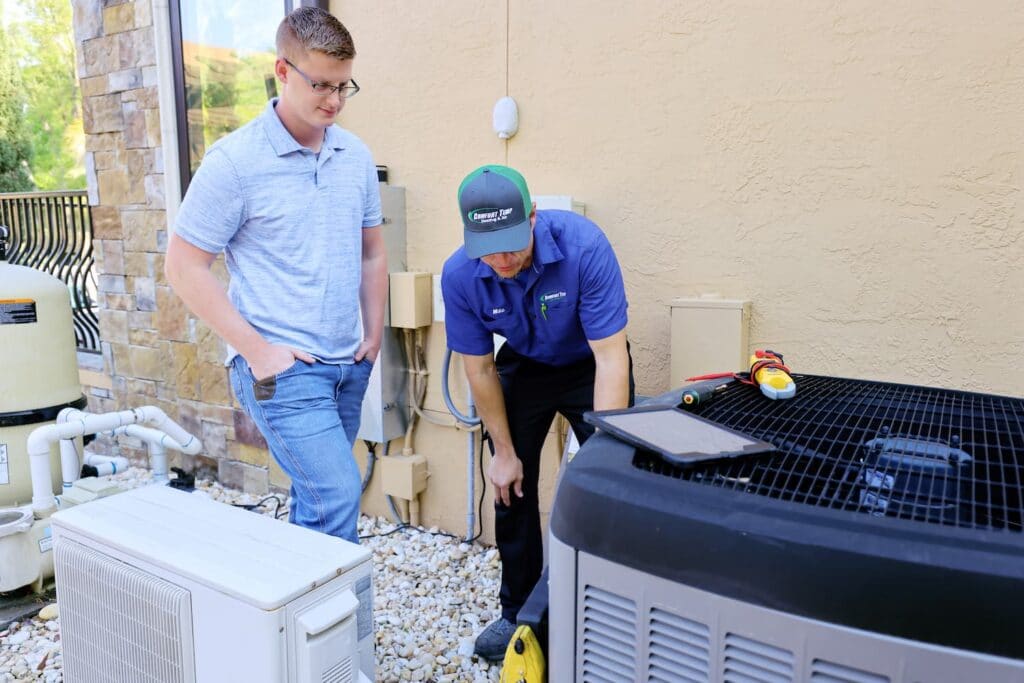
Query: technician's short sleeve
466,333
602,307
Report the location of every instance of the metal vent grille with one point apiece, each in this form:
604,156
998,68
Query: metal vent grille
916,453
678,649
609,637
339,673
120,624
823,671
751,661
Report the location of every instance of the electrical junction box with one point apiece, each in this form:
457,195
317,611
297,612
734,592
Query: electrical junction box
559,201
411,295
403,476
708,335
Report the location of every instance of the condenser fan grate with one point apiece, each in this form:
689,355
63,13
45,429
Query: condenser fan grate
931,455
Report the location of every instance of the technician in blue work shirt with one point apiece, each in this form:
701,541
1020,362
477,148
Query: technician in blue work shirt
549,282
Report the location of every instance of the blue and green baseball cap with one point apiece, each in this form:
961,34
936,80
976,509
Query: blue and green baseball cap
495,206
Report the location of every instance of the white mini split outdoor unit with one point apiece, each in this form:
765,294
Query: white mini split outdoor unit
161,586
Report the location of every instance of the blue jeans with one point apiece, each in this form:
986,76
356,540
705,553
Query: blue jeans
309,415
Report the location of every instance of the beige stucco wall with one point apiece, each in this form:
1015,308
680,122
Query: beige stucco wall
852,170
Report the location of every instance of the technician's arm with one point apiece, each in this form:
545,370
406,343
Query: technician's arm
188,271
373,292
611,383
505,470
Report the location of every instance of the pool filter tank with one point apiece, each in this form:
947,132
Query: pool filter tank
38,372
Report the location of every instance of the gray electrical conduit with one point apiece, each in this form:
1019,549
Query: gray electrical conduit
418,385
366,480
394,512
470,420
415,397
371,459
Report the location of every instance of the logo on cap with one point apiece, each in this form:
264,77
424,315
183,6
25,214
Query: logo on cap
485,216
495,207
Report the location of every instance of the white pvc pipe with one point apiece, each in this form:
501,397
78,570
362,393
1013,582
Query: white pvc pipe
40,440
72,423
158,442
70,466
158,419
179,440
106,464
158,463
159,438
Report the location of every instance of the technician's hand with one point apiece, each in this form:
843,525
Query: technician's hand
274,359
368,350
506,472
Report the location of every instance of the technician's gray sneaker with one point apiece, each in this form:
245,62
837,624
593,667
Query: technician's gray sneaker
493,641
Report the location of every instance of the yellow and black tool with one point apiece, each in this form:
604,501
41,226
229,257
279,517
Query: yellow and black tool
524,659
767,372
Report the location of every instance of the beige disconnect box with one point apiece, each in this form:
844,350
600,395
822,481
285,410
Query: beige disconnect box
708,335
403,476
411,300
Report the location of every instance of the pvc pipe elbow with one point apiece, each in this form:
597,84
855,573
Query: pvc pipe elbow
186,443
68,414
155,437
38,442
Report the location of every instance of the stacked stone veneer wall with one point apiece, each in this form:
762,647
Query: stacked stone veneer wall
154,352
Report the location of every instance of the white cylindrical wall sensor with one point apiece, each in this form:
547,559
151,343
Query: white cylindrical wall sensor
506,118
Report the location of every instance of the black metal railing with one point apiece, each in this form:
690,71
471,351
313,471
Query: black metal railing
52,232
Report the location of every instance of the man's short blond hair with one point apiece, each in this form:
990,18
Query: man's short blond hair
311,28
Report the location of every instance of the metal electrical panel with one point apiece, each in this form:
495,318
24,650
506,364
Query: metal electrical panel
385,409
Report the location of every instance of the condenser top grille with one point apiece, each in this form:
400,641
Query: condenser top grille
916,453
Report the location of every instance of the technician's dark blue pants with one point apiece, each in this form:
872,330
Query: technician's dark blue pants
534,392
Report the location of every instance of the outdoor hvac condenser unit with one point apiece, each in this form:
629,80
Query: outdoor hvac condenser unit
880,537
160,586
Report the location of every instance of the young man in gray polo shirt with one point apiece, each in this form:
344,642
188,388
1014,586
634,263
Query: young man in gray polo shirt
292,201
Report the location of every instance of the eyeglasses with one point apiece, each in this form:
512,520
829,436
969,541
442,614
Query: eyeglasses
326,89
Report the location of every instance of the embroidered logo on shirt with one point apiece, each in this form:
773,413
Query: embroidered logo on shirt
545,299
498,311
552,296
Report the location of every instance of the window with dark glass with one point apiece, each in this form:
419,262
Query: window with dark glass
224,54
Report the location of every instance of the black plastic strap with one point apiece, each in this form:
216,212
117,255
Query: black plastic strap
31,417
